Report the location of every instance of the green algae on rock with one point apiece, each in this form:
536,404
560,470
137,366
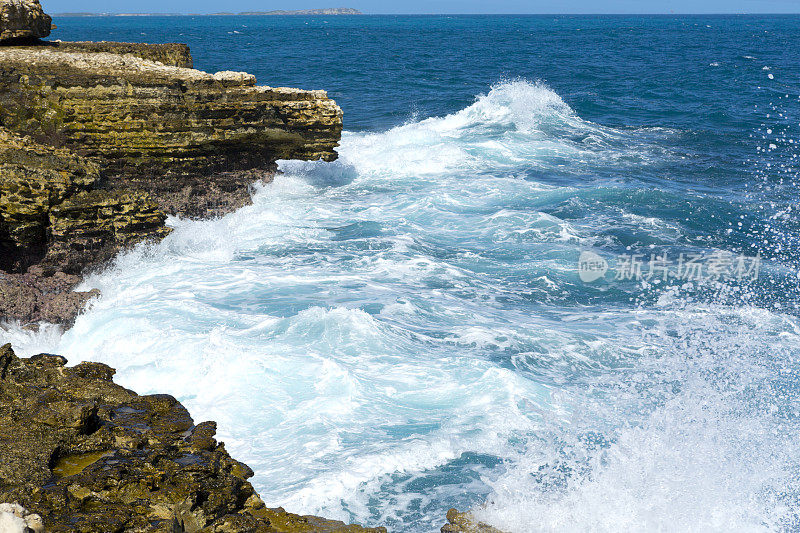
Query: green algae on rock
465,523
142,117
33,179
99,141
54,222
88,455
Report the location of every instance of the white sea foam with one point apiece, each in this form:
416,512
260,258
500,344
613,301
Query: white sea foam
396,333
716,452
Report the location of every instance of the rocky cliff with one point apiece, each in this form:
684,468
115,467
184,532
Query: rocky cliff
88,455
23,20
54,222
142,117
52,214
465,523
99,141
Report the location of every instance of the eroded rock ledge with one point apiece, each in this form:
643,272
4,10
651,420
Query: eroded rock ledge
100,141
142,117
88,455
54,222
23,20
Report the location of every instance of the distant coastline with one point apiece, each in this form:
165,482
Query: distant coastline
327,11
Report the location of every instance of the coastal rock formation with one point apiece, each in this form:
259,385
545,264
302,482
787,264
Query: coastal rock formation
23,20
99,141
50,215
88,455
32,297
53,219
465,523
170,54
33,179
142,118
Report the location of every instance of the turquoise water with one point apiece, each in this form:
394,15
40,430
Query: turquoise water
405,330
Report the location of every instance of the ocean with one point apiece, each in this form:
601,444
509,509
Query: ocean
552,278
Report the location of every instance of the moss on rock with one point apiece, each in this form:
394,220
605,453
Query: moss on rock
88,455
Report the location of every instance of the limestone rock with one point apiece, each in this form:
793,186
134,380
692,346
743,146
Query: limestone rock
33,179
16,519
143,118
54,222
98,141
50,215
92,226
170,54
88,455
23,19
30,298
235,78
465,523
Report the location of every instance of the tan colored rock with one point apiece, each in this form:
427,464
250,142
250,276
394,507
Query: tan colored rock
235,78
14,518
103,138
92,226
50,215
33,179
23,19
465,523
53,216
144,118
171,54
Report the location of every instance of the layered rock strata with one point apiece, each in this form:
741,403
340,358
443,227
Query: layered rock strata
52,213
170,54
99,141
54,222
143,118
88,455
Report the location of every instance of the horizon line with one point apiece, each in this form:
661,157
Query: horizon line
77,14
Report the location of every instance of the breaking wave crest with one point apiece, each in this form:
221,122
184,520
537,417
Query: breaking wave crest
403,331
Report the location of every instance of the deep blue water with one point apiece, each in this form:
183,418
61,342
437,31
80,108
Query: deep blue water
406,330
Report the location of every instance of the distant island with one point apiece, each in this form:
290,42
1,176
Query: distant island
328,11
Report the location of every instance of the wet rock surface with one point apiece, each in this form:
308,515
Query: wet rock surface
33,297
88,455
465,523
54,222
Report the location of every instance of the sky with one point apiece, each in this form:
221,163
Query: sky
432,6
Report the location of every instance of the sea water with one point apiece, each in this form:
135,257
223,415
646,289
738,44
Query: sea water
407,330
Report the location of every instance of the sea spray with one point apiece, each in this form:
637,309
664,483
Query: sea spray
404,330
